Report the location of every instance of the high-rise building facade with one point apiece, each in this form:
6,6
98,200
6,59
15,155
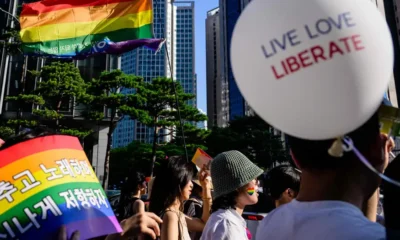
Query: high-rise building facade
230,11
175,23
217,87
185,48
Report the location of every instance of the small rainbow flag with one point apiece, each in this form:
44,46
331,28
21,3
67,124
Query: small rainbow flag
48,182
200,158
69,28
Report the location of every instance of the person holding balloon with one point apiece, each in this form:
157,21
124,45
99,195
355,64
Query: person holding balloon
329,63
333,189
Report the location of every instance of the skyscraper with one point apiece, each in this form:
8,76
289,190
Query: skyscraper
175,23
230,11
217,87
184,48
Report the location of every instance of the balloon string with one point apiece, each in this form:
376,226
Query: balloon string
350,147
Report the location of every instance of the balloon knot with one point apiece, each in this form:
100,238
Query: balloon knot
336,150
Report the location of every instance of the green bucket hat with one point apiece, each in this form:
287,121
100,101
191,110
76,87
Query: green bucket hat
230,171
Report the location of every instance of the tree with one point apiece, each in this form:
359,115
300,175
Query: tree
253,137
161,109
135,156
194,138
105,93
61,84
61,87
6,132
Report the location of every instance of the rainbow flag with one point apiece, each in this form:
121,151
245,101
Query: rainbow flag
48,182
200,158
69,28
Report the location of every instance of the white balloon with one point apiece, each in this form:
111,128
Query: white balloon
337,61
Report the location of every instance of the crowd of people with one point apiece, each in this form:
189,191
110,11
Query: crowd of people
328,194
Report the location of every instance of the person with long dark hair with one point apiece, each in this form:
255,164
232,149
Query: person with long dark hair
235,184
130,202
172,186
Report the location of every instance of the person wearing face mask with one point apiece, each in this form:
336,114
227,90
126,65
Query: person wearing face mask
234,178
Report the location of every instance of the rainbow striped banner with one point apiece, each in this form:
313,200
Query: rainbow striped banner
69,28
48,182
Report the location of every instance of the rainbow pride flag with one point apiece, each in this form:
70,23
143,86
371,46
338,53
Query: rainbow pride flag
48,182
69,28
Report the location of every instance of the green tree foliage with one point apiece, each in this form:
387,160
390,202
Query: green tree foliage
253,137
105,93
60,88
194,138
160,111
11,40
6,132
61,84
137,156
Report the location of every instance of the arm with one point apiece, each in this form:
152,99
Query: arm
62,234
138,206
170,229
197,224
138,225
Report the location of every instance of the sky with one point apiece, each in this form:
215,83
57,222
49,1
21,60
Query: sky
201,8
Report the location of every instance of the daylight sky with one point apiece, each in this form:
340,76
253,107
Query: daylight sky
201,8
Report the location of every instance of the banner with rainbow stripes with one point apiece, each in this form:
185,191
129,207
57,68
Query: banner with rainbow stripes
48,182
69,28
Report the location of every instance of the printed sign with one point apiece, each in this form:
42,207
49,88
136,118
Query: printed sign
48,182
315,69
201,158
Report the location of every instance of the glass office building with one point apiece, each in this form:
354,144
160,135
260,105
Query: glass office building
178,30
230,11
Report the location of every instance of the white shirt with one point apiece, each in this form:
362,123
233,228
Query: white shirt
225,225
325,220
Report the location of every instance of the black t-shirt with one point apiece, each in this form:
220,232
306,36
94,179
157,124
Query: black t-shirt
125,208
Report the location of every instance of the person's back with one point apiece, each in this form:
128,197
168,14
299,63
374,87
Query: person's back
327,220
334,187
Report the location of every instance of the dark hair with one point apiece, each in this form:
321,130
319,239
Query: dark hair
27,135
226,201
129,187
311,154
175,173
196,191
281,178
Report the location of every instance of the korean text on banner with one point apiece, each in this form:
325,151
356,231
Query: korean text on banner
48,182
